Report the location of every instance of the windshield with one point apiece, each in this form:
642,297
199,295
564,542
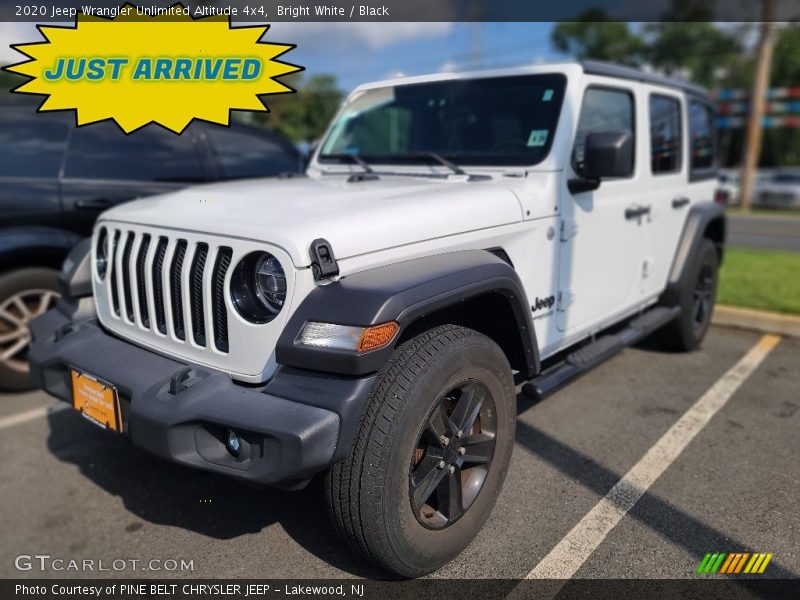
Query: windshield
491,121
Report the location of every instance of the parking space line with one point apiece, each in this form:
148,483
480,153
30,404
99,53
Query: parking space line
31,415
577,546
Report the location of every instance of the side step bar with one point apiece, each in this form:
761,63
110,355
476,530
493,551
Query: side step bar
586,358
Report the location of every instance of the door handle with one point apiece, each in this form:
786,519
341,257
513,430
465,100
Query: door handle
94,203
636,211
680,202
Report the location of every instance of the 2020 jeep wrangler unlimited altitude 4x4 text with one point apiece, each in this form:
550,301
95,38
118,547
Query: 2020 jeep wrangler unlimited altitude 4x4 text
455,235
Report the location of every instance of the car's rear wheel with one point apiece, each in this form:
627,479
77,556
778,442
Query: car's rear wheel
431,453
24,294
696,298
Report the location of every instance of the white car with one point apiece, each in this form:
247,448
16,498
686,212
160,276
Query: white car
780,191
456,234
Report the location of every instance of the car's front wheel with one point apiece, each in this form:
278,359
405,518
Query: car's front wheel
431,454
24,294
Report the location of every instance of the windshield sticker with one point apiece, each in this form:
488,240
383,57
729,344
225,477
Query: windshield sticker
538,137
547,96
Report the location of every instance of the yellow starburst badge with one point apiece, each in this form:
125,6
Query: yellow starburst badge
138,70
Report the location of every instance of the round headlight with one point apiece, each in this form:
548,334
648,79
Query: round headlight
258,287
101,253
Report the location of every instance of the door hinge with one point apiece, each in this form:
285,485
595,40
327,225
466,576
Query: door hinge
565,299
569,229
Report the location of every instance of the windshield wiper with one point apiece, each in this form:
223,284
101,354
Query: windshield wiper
352,156
440,159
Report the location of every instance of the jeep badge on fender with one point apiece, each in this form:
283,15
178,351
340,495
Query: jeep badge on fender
540,303
369,322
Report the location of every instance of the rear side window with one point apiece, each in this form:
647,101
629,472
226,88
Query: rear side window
31,147
603,110
244,154
701,138
665,134
102,151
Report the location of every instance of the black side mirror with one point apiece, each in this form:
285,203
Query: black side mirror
607,154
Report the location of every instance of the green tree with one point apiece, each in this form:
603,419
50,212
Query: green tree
786,57
303,116
9,81
704,51
595,37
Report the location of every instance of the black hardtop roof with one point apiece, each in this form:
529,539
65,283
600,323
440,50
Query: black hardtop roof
596,67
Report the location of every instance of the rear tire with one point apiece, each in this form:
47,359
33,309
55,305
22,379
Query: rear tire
696,297
431,453
24,294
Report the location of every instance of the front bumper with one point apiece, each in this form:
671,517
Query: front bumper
296,425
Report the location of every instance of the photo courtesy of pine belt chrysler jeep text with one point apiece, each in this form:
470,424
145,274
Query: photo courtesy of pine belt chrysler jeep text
456,235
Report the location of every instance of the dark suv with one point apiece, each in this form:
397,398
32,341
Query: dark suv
55,179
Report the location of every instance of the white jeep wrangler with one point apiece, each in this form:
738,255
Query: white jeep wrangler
455,236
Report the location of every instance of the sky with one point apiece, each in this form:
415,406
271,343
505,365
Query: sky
360,52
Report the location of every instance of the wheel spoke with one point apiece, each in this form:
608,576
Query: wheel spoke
449,493
425,479
14,348
44,302
698,311
22,307
12,335
706,302
468,406
11,318
479,448
438,425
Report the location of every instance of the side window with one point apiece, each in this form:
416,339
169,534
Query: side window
701,138
665,134
102,151
603,110
31,147
243,154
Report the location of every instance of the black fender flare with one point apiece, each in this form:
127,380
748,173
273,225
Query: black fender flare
403,292
19,243
700,216
75,277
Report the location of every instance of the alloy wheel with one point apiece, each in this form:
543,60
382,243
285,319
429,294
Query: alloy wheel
453,455
15,313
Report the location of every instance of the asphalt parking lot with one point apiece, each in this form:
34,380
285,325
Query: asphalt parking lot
71,490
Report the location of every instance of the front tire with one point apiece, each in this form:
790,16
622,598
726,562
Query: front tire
431,454
24,294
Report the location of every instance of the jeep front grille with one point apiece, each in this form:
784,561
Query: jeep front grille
160,282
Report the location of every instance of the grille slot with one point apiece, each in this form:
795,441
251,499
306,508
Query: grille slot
141,287
158,285
126,276
221,266
112,276
176,290
170,286
196,293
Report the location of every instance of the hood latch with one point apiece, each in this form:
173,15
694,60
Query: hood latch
323,263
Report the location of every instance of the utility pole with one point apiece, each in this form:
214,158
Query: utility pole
752,149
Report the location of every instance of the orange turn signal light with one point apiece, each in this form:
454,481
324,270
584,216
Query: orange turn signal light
377,336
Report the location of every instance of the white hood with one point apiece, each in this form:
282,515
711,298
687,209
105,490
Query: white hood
356,218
